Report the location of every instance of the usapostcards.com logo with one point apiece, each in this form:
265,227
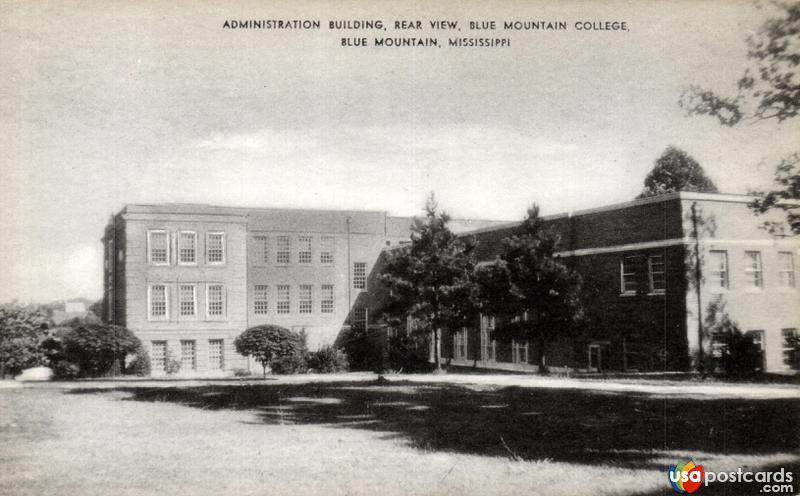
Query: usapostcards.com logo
685,477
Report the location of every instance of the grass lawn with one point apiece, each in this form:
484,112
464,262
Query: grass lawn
430,436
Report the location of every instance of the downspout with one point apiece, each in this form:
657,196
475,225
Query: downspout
698,277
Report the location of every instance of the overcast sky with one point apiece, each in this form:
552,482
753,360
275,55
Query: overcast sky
103,104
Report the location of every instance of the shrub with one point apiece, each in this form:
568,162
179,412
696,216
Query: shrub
95,348
327,360
269,343
140,365
732,354
241,372
64,369
21,330
408,354
171,364
291,364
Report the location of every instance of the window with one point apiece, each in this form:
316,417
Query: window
718,270
261,250
187,295
791,346
158,247
519,351
752,270
283,253
158,355
187,247
306,304
786,269
304,249
216,355
215,248
460,344
488,345
655,268
215,300
359,321
284,299
628,283
188,355
359,275
326,298
157,302
261,300
758,342
326,250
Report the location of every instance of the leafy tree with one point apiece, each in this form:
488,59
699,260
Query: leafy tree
21,331
768,90
267,343
676,170
430,279
733,353
95,348
535,293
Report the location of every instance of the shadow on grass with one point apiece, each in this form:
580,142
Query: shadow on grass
623,429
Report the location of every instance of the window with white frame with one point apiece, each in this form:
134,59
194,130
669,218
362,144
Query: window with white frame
326,250
158,247
216,354
215,248
304,249
488,344
359,321
157,302
786,269
215,300
717,273
283,251
628,275
519,351
188,355
261,299
359,275
284,301
657,273
187,247
158,355
326,298
460,344
261,250
187,297
752,270
791,345
305,301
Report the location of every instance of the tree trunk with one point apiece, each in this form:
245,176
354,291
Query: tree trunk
541,357
264,369
437,348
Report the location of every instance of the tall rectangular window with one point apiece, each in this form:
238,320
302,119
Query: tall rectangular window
158,247
786,269
628,276
304,249
187,294
261,300
304,297
158,355
283,252
284,303
215,248
157,302
488,344
359,275
326,250
752,270
656,271
791,345
460,344
215,300
519,351
359,321
187,247
326,298
216,354
718,269
188,355
261,250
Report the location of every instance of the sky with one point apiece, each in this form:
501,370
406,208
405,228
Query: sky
104,104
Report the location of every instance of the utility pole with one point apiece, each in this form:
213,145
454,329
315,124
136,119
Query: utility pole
698,279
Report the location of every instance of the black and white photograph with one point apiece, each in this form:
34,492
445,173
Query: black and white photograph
352,247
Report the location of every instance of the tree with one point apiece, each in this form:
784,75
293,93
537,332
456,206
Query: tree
535,293
733,353
95,348
21,331
266,343
676,170
768,90
430,279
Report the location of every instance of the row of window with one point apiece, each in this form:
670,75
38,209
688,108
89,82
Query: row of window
188,355
158,301
279,250
717,272
283,299
160,248
519,349
632,265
